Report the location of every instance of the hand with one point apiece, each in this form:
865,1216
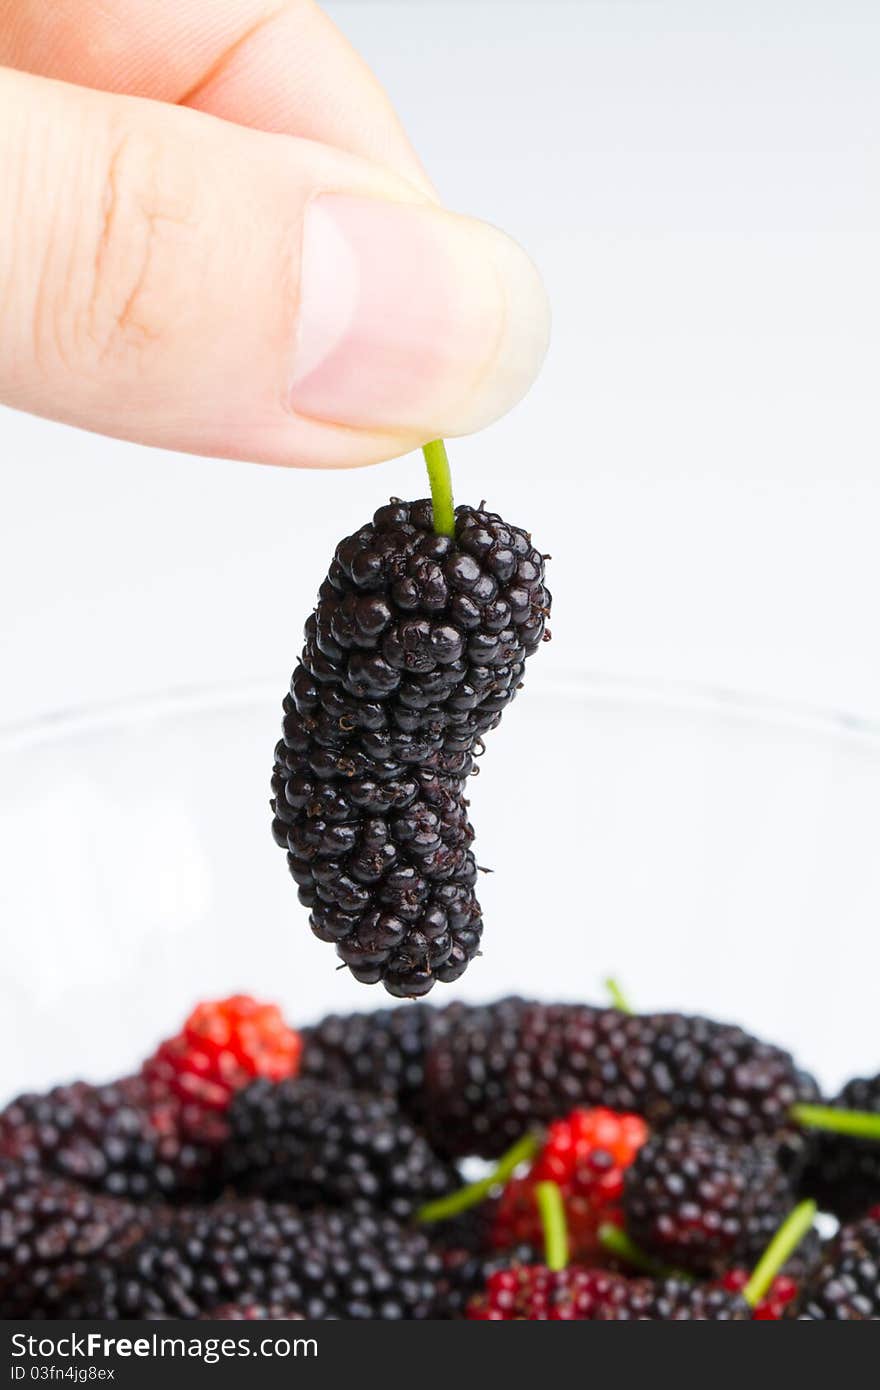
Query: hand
215,236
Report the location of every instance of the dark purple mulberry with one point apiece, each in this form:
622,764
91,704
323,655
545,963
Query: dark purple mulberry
52,1233
700,1202
845,1285
382,1052
325,1264
251,1312
417,645
843,1174
304,1143
505,1066
672,1300
110,1138
476,1077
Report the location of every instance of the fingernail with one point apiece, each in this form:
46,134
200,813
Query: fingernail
412,318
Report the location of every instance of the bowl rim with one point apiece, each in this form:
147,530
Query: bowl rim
599,688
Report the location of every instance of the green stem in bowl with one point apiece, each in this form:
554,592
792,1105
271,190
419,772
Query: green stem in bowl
781,1248
861,1124
552,1210
475,1192
440,478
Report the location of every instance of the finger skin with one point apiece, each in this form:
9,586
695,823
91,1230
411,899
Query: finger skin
276,65
150,272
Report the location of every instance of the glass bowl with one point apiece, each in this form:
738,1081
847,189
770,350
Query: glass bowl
714,853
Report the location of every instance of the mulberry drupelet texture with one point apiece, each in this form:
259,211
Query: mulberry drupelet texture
382,1052
417,645
302,1142
251,1312
537,1294
845,1285
325,1264
116,1138
699,1202
510,1064
51,1233
476,1077
672,1300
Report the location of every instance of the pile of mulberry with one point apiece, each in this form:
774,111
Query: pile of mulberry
417,645
251,1172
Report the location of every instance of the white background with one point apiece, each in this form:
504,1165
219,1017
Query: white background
698,184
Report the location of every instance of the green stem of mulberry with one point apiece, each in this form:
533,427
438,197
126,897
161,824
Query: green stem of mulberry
781,1248
618,1243
861,1124
475,1192
617,996
440,478
552,1210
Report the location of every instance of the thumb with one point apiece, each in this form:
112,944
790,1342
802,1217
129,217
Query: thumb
178,280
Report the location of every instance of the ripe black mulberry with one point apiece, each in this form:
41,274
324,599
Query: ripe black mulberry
304,1143
52,1232
843,1173
699,1202
417,645
324,1264
845,1285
